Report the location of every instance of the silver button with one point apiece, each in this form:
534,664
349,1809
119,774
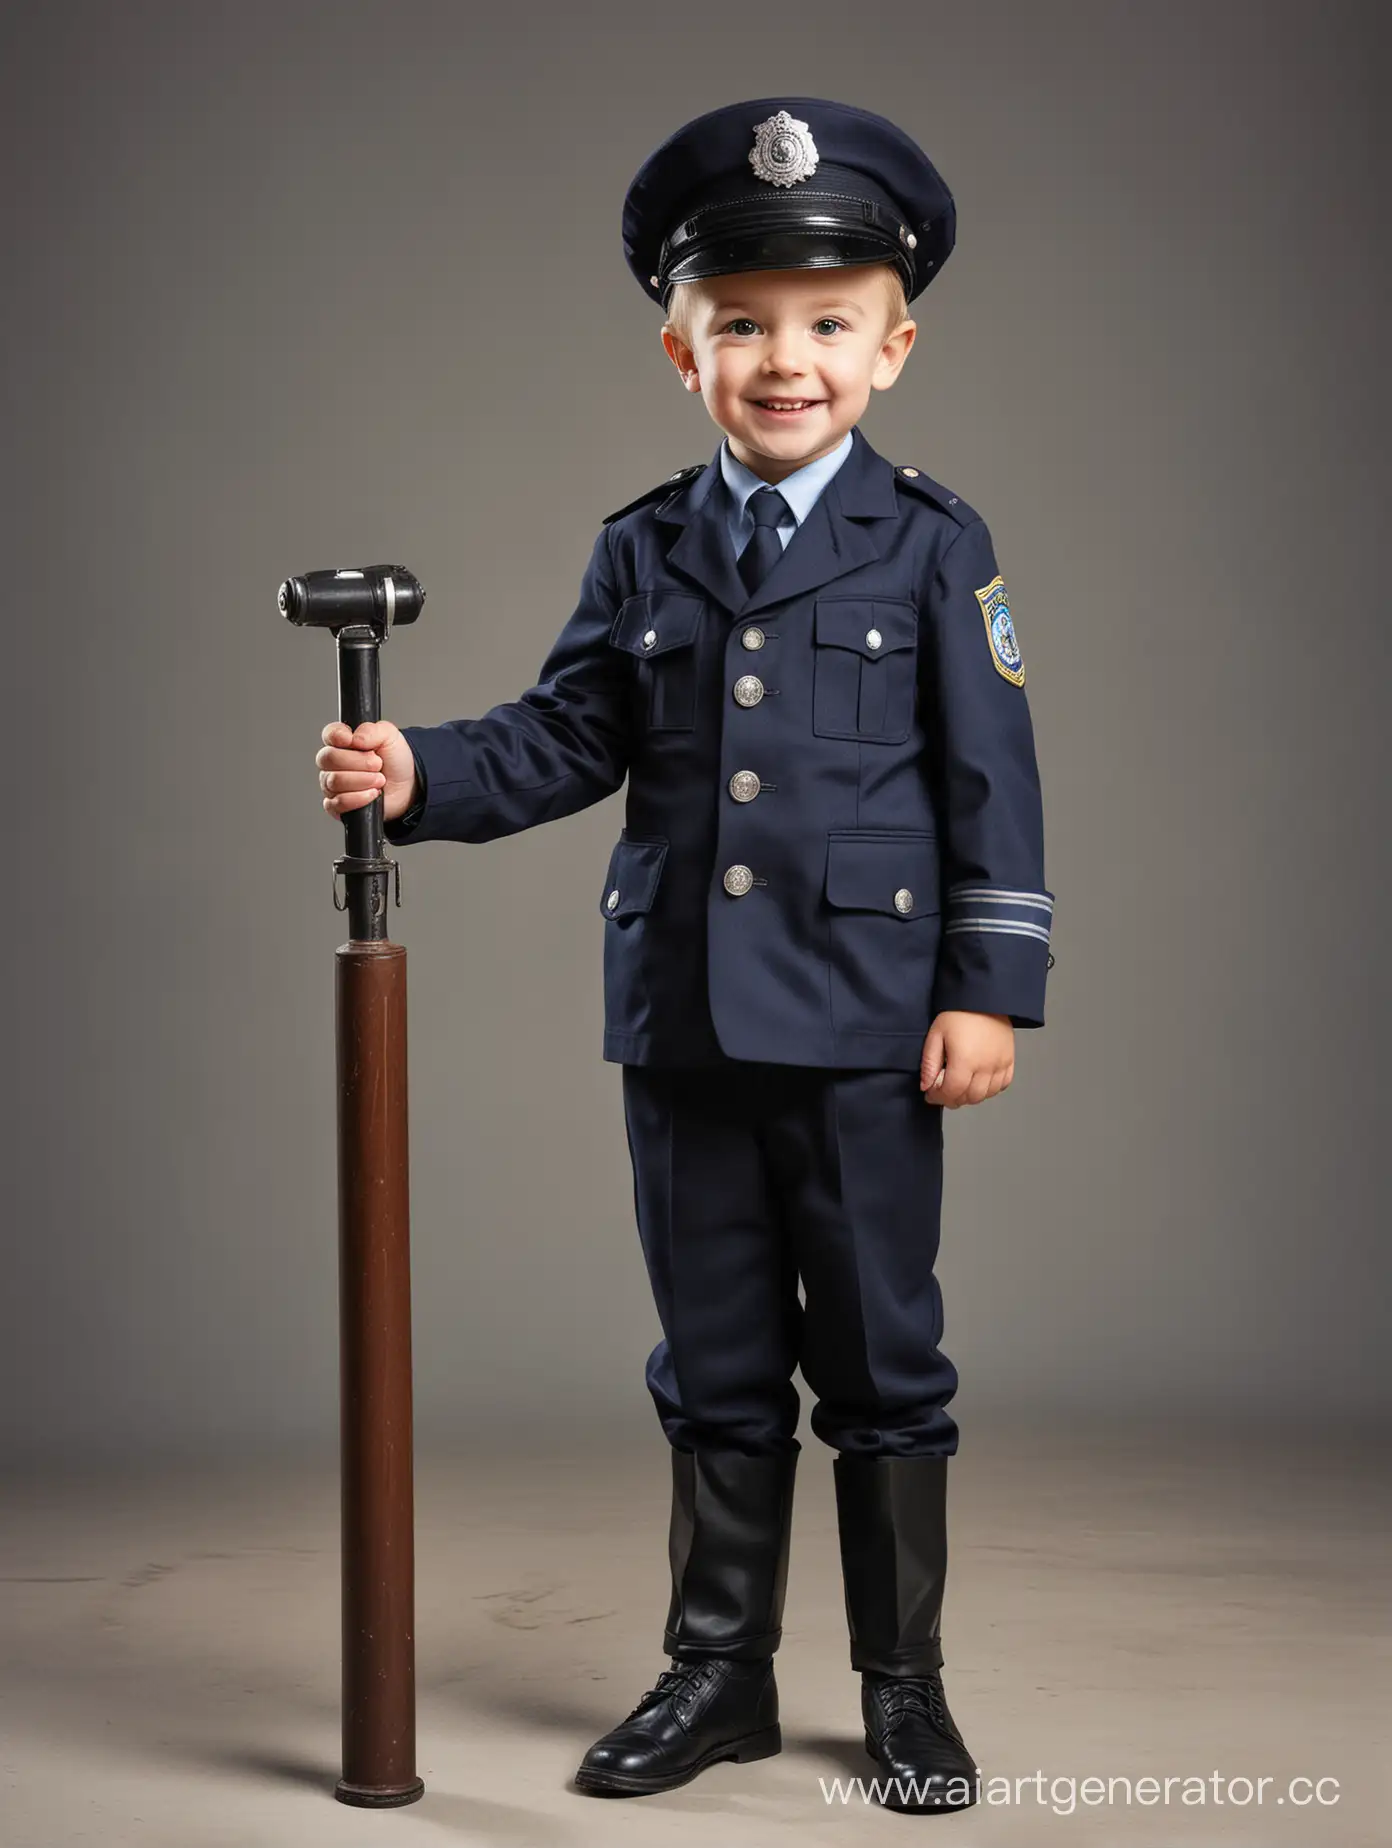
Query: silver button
903,901
912,473
744,786
911,241
749,690
612,901
655,281
873,638
753,638
650,639
738,880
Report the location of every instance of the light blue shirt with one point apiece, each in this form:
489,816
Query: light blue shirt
800,490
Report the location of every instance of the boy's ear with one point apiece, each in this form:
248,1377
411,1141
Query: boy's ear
681,356
893,352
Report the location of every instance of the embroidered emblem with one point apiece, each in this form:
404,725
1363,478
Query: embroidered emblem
1000,632
784,151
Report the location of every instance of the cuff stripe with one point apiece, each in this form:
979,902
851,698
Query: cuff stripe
1001,895
1016,928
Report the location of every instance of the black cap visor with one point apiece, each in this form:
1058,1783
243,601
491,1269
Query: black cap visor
784,250
804,232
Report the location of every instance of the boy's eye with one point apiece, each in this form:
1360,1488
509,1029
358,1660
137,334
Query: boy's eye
742,324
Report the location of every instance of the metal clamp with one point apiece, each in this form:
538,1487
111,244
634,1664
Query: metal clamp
350,863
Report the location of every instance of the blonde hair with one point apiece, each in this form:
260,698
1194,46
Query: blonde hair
679,314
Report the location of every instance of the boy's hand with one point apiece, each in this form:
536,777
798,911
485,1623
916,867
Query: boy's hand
966,1058
354,766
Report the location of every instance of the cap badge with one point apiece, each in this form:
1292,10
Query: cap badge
784,151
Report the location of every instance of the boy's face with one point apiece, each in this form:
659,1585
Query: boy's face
810,337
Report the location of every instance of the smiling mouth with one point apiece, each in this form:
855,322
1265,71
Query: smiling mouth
786,406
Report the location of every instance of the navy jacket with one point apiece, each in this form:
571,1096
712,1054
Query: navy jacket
834,827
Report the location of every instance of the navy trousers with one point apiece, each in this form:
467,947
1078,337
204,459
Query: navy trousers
750,1177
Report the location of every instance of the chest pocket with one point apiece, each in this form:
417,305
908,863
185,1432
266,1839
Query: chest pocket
865,660
659,628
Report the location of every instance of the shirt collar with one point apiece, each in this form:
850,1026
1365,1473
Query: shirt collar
800,489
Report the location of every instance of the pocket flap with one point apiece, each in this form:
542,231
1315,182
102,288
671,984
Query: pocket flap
869,625
897,873
631,882
668,617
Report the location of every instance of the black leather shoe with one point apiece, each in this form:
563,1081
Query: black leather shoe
699,1713
924,1764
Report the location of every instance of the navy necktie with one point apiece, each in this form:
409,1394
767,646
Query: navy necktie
765,549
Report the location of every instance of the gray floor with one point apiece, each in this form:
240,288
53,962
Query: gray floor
1120,1606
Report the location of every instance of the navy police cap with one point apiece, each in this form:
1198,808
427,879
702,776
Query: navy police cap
786,182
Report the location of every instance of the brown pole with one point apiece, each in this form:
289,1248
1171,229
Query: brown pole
361,608
379,1715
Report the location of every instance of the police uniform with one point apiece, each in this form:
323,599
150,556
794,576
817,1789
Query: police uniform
833,832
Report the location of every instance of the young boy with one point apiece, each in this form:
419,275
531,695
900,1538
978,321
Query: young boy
831,877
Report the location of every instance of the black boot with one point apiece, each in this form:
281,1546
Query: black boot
728,1548
892,1519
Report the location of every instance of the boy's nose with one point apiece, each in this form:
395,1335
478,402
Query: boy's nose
785,356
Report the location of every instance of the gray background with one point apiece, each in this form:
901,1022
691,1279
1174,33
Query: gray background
323,284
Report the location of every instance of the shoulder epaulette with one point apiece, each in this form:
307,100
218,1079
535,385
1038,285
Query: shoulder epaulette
663,487
951,504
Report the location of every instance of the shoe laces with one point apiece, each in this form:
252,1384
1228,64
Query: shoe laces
682,1678
915,1694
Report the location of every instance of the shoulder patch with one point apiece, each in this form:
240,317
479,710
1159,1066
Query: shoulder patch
1000,631
914,479
663,487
